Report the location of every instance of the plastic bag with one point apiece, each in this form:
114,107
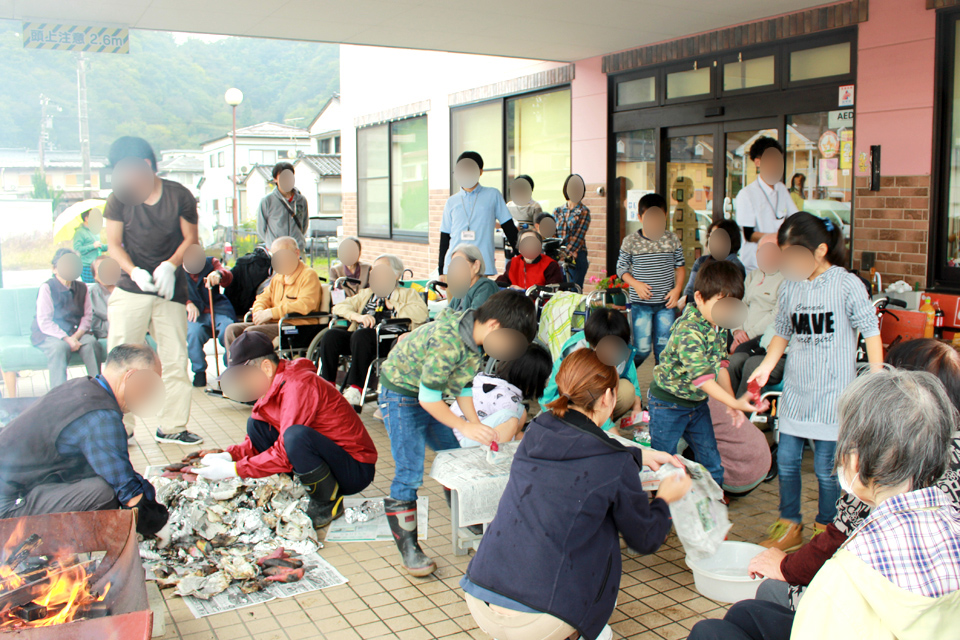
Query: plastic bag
700,517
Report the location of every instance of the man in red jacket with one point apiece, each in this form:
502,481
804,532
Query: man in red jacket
300,423
532,267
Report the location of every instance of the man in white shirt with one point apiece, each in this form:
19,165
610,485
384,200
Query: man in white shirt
765,203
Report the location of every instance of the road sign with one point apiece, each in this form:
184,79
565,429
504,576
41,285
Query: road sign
55,36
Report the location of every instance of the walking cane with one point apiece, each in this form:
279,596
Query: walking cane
213,329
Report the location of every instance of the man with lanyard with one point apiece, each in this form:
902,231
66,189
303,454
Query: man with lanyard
470,215
762,206
283,211
68,451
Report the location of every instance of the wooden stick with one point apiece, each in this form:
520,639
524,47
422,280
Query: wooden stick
22,551
213,329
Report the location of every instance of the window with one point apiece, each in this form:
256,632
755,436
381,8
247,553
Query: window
212,161
538,143
820,62
330,203
684,84
479,128
747,74
283,154
336,144
324,145
946,204
639,91
636,174
536,129
392,188
220,159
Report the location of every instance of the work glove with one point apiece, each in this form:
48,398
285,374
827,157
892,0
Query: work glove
216,469
165,278
143,279
223,455
151,516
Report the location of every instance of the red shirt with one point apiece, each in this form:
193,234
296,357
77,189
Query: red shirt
299,396
543,270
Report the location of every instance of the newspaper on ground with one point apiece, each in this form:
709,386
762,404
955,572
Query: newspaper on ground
321,575
478,483
376,529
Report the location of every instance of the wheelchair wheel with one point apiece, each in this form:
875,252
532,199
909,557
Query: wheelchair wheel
313,350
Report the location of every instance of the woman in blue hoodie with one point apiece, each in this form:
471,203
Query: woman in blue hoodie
548,567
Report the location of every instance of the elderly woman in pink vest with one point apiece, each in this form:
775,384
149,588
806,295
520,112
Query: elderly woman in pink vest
64,314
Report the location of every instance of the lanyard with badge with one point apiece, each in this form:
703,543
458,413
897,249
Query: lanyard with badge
469,235
775,207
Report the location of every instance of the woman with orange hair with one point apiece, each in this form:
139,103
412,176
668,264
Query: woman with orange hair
572,492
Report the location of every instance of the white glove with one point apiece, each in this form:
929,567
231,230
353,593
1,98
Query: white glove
216,469
163,536
165,277
223,455
143,279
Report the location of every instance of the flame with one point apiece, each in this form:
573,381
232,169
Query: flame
67,592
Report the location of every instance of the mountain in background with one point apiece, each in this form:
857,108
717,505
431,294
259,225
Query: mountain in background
169,93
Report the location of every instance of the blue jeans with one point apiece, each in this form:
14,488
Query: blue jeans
789,457
578,272
411,430
651,326
197,335
669,422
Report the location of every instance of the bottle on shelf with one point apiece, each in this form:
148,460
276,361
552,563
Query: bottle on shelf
927,308
937,321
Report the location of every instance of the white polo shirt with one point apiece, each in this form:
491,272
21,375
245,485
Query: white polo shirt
764,208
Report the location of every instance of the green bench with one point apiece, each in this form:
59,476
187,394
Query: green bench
17,353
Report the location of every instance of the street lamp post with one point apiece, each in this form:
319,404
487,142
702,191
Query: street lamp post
234,97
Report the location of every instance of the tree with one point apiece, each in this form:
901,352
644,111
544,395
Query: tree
42,191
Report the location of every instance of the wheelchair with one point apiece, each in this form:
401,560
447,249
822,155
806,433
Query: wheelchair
295,339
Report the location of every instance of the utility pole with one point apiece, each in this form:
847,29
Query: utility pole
84,125
44,101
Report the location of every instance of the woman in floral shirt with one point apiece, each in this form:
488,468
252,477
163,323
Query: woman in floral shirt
573,221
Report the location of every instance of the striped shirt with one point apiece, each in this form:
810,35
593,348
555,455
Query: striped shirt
820,319
653,262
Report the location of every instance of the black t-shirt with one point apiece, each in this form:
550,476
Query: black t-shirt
151,232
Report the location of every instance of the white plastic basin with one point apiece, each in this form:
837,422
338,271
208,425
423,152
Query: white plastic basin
723,576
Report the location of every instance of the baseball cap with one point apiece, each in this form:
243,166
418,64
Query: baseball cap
248,346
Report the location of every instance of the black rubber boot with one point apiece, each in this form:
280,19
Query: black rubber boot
326,505
402,517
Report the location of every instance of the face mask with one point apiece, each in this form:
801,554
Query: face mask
842,479
459,276
285,181
798,264
194,259
467,173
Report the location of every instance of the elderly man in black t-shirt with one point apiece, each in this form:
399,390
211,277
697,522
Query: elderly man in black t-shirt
150,222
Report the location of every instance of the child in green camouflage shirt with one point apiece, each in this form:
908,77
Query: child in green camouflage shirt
693,367
441,358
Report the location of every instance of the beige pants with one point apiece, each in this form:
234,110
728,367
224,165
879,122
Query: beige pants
626,396
131,316
506,624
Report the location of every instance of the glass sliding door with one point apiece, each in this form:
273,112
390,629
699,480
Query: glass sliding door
690,188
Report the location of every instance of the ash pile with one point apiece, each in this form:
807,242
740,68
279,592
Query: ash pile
242,531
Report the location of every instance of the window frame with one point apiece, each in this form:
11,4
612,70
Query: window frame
503,167
392,234
824,40
710,63
220,159
939,273
753,54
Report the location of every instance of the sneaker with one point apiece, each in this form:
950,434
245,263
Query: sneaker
183,438
352,395
200,379
785,535
818,529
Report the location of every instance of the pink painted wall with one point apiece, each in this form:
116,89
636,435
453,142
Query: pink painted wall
588,121
895,85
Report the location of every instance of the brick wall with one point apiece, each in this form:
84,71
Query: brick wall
894,223
422,258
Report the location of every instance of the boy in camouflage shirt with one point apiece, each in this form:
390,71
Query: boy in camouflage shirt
440,358
693,368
